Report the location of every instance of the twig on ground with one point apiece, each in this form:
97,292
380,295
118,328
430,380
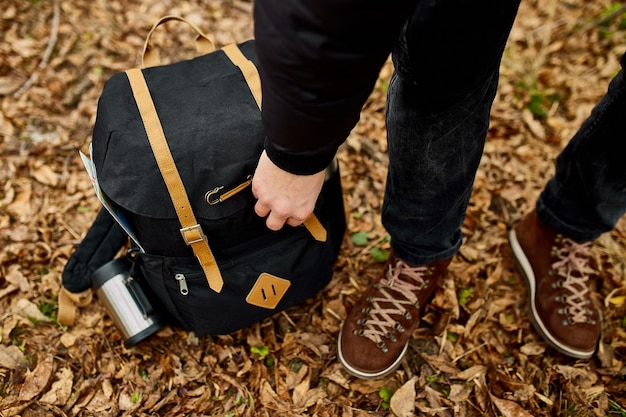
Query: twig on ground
474,349
47,53
605,19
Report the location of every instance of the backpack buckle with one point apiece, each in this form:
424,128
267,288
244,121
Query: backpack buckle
192,234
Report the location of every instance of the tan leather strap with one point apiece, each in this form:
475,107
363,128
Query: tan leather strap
69,303
315,228
150,56
251,75
248,69
190,229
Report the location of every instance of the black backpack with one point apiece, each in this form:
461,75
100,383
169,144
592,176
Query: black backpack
222,269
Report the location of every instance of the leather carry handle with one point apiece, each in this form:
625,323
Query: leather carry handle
150,56
190,228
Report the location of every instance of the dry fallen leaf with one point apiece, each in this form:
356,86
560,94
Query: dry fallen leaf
295,378
533,348
8,85
45,175
459,393
37,380
16,277
21,206
29,311
441,363
300,392
402,402
314,396
509,408
268,397
11,357
471,373
61,389
582,376
6,127
434,404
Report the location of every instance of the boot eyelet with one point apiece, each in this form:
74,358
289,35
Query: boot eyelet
408,315
383,346
568,321
398,327
358,332
366,310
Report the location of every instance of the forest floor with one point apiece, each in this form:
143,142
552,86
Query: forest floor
475,353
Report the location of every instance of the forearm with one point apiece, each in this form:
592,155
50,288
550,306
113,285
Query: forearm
318,62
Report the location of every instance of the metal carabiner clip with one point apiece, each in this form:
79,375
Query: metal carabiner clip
209,196
211,200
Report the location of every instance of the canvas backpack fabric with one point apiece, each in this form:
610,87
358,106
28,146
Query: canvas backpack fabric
210,119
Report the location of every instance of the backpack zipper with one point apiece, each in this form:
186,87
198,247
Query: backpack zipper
182,284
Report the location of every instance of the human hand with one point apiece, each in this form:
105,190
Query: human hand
284,197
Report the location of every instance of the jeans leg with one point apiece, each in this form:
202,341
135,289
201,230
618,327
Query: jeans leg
587,195
447,67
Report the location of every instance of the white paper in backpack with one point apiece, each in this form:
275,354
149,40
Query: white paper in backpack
108,204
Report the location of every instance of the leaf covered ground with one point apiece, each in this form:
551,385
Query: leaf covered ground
475,353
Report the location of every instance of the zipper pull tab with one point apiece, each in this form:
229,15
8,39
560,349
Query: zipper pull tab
182,284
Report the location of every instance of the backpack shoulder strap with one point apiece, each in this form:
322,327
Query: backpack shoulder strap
247,68
190,228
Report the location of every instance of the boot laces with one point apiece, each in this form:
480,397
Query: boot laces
396,291
572,264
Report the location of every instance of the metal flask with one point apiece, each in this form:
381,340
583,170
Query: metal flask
125,300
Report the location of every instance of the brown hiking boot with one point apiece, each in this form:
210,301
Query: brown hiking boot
556,272
375,336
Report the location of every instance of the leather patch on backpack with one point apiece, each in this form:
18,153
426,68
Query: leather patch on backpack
267,291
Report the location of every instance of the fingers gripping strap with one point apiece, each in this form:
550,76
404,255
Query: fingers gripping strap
251,75
190,229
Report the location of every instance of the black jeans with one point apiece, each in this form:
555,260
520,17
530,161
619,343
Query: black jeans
447,63
587,195
447,67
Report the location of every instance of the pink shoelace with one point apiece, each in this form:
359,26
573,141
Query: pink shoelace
404,280
573,266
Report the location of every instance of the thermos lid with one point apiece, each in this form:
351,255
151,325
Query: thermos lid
109,270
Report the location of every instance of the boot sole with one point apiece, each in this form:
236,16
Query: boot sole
369,375
529,278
